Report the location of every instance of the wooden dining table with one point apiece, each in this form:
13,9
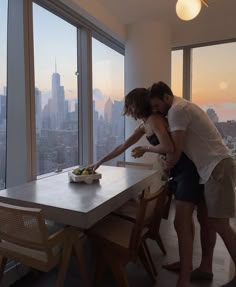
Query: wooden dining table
79,204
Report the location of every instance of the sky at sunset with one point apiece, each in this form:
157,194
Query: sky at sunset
55,47
51,47
213,78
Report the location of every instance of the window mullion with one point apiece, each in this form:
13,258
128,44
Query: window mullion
85,96
187,74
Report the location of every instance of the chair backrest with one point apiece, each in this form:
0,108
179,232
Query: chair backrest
146,211
134,164
23,226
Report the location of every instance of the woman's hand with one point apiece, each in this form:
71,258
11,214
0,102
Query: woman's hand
95,165
138,151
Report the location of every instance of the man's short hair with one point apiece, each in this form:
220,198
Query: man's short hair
159,90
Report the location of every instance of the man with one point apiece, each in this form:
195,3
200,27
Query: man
194,134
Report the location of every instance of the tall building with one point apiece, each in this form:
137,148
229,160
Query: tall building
38,109
117,119
3,106
58,101
212,115
108,111
95,132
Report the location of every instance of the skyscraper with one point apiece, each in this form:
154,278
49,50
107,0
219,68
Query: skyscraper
38,109
58,101
212,115
108,111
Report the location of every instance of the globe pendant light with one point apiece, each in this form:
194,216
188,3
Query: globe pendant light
189,9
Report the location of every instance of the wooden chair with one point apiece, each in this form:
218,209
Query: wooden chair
120,241
24,237
128,211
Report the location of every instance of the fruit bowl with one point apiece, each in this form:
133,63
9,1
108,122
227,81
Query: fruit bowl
80,175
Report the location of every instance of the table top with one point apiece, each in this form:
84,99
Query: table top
80,204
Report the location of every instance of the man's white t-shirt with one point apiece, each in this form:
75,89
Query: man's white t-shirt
203,142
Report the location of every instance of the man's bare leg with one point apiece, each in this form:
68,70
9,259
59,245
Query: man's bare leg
183,225
223,228
208,239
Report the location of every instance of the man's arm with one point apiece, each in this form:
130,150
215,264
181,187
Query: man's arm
178,122
178,139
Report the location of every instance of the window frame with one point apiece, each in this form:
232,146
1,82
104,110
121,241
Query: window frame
26,161
187,63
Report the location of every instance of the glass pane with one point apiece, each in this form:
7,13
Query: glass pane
177,72
56,100
3,89
108,100
213,87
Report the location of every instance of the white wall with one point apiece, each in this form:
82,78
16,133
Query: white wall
147,60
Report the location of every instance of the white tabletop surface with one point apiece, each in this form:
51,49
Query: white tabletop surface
80,204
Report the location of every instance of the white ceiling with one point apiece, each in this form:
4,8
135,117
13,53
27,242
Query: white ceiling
131,11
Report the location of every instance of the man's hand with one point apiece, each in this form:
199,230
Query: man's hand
163,162
171,160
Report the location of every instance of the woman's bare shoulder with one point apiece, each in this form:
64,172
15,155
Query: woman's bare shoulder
140,128
157,120
157,117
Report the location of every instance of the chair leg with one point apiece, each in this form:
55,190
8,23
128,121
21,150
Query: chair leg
65,258
160,243
149,257
81,261
3,262
118,270
144,260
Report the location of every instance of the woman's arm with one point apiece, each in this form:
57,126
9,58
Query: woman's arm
159,127
137,134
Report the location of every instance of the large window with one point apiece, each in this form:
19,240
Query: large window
108,100
214,86
177,72
3,89
56,96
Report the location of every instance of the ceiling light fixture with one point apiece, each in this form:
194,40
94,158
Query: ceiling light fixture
189,9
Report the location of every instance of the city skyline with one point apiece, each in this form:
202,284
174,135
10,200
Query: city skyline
56,126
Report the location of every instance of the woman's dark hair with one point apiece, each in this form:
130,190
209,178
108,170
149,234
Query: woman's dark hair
137,104
158,90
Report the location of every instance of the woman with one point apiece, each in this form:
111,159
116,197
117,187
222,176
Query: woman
155,127
186,187
137,106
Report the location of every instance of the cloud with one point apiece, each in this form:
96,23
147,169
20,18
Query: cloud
228,106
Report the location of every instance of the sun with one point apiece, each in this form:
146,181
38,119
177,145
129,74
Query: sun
223,85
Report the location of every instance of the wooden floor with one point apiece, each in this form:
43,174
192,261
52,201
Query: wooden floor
136,275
